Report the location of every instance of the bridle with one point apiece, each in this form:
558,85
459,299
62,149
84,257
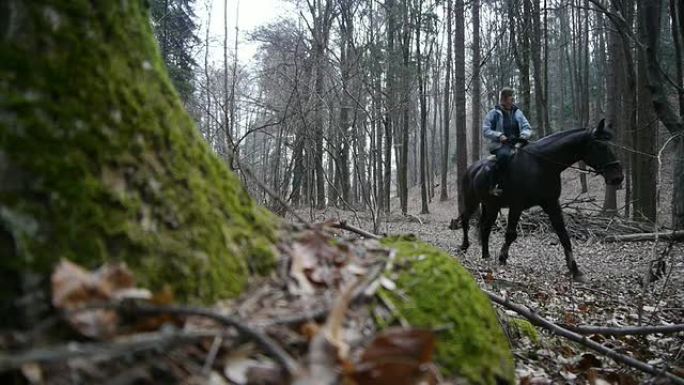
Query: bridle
602,168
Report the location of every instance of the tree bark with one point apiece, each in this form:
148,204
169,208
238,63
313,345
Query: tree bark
446,112
644,170
476,111
423,117
405,103
459,96
100,162
390,120
613,104
536,46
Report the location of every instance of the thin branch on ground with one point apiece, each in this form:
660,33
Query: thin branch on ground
345,226
563,332
132,344
270,346
626,330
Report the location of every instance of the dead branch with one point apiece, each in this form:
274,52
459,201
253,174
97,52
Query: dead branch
125,346
345,226
673,235
265,342
626,330
563,332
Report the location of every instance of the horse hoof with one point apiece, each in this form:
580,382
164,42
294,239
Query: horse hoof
502,261
579,277
485,256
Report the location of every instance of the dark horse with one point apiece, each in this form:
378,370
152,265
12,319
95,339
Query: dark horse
533,178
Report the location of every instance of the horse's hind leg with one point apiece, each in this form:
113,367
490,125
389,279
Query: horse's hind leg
553,210
487,219
465,222
511,232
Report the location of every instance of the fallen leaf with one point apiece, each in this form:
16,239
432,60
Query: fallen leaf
489,278
74,288
588,361
397,357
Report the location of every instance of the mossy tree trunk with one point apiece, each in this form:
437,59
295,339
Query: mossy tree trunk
100,162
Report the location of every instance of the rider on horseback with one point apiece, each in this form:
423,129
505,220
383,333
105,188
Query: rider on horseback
505,126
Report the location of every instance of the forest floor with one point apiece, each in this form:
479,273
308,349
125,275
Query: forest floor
536,277
216,345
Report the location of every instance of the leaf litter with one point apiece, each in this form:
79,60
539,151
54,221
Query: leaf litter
316,307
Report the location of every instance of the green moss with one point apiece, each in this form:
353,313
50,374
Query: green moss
524,328
99,160
433,290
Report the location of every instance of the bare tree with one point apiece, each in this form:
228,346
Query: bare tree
476,108
447,106
459,95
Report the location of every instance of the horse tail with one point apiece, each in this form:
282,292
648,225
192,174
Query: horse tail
465,190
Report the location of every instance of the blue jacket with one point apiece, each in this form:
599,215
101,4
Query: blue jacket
496,116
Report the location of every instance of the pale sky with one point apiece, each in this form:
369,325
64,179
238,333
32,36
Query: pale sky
250,14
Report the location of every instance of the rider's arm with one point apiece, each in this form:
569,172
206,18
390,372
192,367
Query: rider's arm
525,129
488,131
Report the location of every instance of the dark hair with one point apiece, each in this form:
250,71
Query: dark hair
505,93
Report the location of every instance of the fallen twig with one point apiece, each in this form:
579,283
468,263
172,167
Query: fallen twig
345,226
131,344
627,330
674,235
563,332
265,342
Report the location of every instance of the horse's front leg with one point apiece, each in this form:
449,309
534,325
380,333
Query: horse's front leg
511,233
489,213
553,210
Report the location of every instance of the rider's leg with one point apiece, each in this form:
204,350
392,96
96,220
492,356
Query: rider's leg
503,155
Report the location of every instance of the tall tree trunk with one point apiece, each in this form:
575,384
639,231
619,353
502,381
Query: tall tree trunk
644,170
459,96
405,104
613,105
547,124
447,106
345,133
677,28
521,48
226,113
423,117
629,101
476,111
390,113
536,45
377,116
677,20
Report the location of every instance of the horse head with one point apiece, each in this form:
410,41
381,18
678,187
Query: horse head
599,155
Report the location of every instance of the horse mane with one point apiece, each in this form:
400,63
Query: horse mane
550,142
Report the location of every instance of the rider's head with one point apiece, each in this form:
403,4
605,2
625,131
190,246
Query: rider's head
506,98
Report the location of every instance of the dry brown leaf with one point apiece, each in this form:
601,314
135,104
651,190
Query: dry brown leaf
588,361
74,287
489,278
570,318
397,357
